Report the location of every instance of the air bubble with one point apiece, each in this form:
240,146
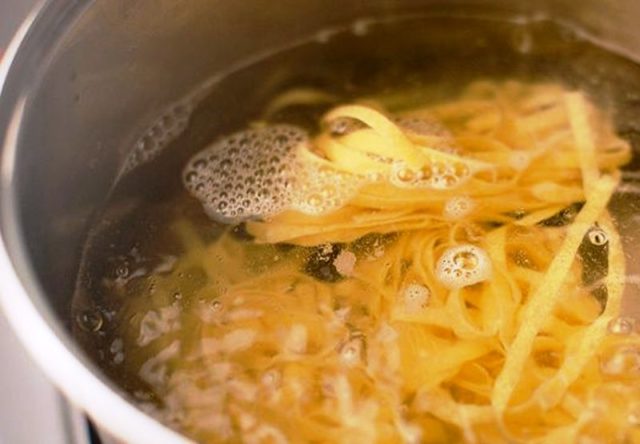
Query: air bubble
597,236
463,266
159,134
458,207
404,176
90,320
622,326
438,175
191,177
625,362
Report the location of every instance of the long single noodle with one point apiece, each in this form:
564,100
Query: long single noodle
396,347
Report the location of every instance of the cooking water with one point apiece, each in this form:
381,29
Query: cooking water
202,181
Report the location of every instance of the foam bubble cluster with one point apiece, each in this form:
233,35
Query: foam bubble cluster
320,189
458,207
247,175
160,133
436,175
462,266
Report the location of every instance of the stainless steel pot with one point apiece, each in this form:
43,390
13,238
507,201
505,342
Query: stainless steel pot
76,86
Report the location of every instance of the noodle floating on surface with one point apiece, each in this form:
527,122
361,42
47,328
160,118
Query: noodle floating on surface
417,278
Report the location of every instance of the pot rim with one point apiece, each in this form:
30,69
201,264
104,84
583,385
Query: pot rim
21,298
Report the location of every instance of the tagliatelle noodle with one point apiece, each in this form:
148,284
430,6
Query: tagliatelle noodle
393,352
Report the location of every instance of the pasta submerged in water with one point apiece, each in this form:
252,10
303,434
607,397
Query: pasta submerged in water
402,275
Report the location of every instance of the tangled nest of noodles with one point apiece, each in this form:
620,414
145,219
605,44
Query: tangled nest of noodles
258,350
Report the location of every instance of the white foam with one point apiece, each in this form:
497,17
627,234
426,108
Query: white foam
320,190
247,175
462,266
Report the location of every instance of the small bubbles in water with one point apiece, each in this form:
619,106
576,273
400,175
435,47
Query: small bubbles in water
437,175
90,320
159,134
191,177
597,236
622,326
404,176
462,266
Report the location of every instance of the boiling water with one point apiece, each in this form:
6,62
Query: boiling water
133,242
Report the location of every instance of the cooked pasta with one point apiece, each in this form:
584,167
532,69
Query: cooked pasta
438,293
